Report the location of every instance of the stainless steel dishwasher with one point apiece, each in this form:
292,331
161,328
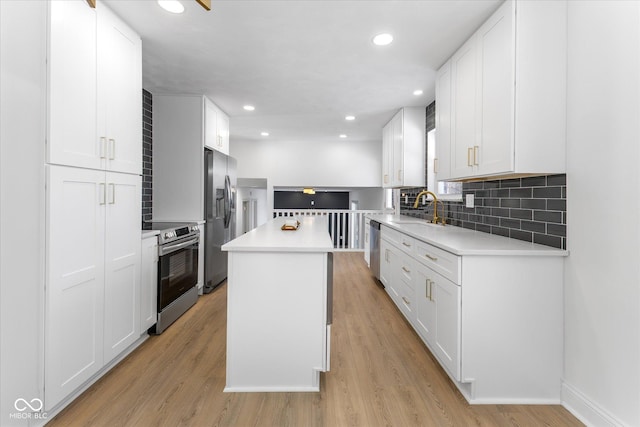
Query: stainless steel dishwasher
374,247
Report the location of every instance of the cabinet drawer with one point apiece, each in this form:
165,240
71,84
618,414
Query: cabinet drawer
440,261
405,243
405,269
406,300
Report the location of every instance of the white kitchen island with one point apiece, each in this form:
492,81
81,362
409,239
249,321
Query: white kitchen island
279,291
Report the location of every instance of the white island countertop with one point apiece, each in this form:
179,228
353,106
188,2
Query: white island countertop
460,241
311,236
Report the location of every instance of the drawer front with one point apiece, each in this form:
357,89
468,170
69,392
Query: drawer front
402,241
405,301
391,235
405,270
440,261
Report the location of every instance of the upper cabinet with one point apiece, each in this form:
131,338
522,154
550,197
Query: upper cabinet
504,112
403,149
442,162
216,128
95,89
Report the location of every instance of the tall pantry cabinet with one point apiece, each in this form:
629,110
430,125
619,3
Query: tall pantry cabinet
93,195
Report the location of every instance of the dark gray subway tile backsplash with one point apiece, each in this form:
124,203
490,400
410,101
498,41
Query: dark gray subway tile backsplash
532,209
147,155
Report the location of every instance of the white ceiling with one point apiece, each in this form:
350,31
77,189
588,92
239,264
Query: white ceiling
304,65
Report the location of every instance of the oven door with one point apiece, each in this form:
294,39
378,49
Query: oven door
177,269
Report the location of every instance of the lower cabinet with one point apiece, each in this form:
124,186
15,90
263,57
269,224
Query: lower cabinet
438,317
149,284
493,321
93,274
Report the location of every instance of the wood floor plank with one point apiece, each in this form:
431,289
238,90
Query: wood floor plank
381,375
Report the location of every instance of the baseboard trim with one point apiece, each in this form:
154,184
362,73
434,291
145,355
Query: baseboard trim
586,410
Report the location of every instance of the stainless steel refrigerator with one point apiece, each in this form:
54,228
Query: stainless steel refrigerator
220,212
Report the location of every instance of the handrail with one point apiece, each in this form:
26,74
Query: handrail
346,226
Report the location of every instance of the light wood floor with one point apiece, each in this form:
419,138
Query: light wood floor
381,375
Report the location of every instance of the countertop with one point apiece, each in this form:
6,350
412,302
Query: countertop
460,241
311,236
149,233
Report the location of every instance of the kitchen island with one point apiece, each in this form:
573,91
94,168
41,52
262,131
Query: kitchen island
279,291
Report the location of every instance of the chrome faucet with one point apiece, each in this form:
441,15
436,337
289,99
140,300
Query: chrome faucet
435,218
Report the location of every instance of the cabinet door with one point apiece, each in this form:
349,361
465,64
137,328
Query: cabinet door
223,133
149,283
388,266
122,263
72,86
387,156
496,48
397,178
425,305
446,296
442,162
210,125
119,93
75,279
464,109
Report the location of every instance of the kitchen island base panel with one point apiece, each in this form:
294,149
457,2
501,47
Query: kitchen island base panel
277,332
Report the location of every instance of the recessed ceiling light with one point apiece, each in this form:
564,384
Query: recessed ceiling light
383,39
350,118
249,107
417,92
264,133
342,135
173,6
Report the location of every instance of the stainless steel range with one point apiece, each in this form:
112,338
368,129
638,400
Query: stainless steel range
177,270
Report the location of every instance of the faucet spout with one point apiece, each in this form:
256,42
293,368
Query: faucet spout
434,202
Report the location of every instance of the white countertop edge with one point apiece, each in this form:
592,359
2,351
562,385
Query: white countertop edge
311,237
149,233
470,242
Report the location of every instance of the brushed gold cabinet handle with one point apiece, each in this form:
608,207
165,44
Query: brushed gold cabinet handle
112,186
406,244
406,301
469,154
405,269
432,258
435,165
476,154
386,178
103,147
426,289
431,290
103,194
112,148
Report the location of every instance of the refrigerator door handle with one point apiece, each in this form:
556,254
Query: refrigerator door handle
227,201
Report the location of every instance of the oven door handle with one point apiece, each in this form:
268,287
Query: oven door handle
164,250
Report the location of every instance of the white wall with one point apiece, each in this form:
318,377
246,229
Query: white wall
339,163
602,273
22,135
368,198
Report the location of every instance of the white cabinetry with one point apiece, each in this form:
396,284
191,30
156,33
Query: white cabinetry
183,126
216,128
438,317
494,322
95,91
93,276
442,162
508,94
403,149
149,283
93,193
